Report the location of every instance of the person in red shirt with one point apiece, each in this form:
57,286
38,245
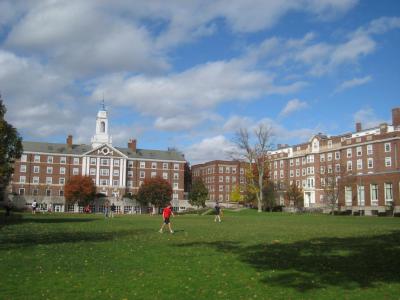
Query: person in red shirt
167,212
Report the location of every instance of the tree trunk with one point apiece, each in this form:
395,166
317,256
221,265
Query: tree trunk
260,196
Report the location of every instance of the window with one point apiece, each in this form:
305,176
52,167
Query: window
35,192
349,153
374,194
116,163
103,182
233,179
176,166
281,164
233,170
275,174
275,164
291,174
36,158
297,172
303,172
310,158
227,179
130,183
303,160
175,196
61,180
115,172
330,144
221,178
388,193
24,158
35,180
165,166
388,161
322,170
141,174
227,169
176,175
49,159
104,172
359,164
176,185
92,171
142,164
75,171
370,163
130,164
21,191
329,156
349,165
49,180
22,179
115,182
36,169
387,147
103,161
93,161
49,170
165,175
322,158
221,188
297,161
22,168
360,195
359,151
337,168
61,193
63,160
154,165
369,150
241,171
62,170
130,173
337,155
153,174
348,196
281,173
322,181
221,169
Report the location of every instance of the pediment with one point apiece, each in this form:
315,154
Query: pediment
105,151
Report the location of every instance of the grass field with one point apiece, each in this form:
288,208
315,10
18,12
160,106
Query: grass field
247,256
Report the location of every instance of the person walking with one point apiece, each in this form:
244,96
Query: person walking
34,206
218,212
167,212
106,209
113,207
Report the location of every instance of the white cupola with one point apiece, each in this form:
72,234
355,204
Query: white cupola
102,135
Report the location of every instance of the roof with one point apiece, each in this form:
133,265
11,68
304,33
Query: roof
55,148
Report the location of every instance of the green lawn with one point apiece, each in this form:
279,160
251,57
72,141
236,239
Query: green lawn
247,256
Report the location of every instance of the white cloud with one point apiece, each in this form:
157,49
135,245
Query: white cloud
367,118
217,147
348,84
199,89
235,122
292,106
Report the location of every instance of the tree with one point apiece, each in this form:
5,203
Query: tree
187,177
198,193
269,194
10,149
156,191
256,155
333,180
79,189
236,196
294,195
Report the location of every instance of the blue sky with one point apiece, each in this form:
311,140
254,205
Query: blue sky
188,74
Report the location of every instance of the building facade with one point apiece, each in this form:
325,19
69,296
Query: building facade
365,165
44,168
221,177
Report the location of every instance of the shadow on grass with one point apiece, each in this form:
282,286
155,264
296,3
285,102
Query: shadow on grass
319,263
18,218
28,239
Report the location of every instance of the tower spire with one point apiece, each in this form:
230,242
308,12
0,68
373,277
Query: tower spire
102,104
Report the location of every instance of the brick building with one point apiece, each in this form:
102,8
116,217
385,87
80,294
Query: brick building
221,177
44,168
365,163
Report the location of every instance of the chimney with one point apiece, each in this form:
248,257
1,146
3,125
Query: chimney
69,140
358,127
132,145
396,116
